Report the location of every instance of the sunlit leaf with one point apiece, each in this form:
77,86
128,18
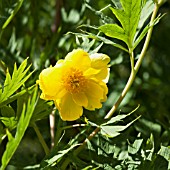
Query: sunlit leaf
165,152
114,31
145,30
14,82
119,117
129,17
100,38
134,148
22,125
16,96
58,156
145,13
9,122
114,130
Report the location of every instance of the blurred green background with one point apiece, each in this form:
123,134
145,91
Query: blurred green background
39,31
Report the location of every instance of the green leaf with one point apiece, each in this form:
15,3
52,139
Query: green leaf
58,156
23,99
7,111
114,31
129,17
16,96
145,30
115,119
150,147
42,110
134,148
165,152
13,13
9,122
100,38
145,13
21,128
119,117
13,83
2,132
113,131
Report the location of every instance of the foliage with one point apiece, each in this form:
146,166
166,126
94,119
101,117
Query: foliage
36,34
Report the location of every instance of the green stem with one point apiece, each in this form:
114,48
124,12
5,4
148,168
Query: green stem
73,126
137,65
134,70
123,94
58,133
52,127
127,87
41,139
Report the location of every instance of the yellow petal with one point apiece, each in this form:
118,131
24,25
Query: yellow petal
59,62
99,60
93,104
46,97
68,109
105,90
50,81
102,74
94,95
78,59
91,72
94,89
107,77
80,99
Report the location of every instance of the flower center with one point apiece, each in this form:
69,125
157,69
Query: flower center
74,81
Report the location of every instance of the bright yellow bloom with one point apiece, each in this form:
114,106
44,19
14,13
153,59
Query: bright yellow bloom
77,81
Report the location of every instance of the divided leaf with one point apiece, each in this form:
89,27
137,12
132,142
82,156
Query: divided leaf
114,130
22,125
128,17
110,130
114,31
13,83
55,159
145,30
134,148
119,117
100,38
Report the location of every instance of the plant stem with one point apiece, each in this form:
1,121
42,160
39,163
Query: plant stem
58,133
134,70
73,126
147,40
41,139
123,94
137,66
52,127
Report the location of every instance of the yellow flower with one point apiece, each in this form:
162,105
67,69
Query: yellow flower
77,81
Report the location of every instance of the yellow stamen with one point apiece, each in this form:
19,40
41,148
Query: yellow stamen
74,81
